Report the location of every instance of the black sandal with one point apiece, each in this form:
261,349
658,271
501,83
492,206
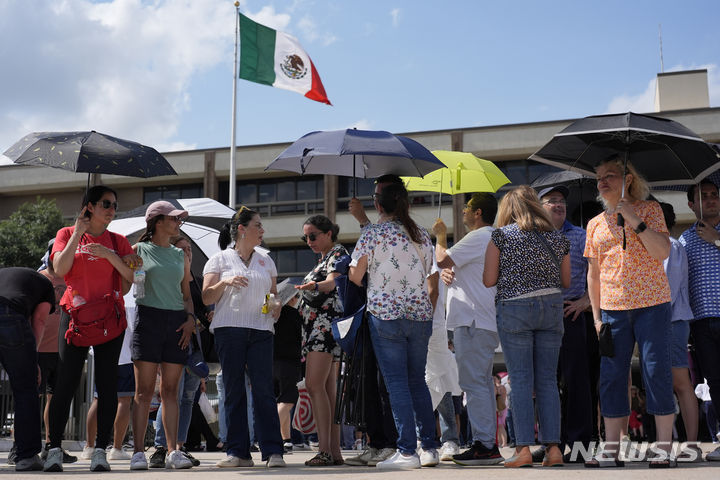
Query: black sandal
322,459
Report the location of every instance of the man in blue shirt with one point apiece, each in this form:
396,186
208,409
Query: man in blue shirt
573,368
702,245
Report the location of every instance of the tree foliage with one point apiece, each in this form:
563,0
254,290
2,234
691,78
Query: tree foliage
24,236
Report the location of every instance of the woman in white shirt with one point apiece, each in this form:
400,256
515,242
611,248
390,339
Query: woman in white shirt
237,280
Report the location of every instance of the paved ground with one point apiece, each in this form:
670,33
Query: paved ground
447,470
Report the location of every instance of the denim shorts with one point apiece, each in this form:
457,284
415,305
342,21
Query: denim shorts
155,338
650,328
679,344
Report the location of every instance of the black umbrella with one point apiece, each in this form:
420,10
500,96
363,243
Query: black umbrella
89,152
663,151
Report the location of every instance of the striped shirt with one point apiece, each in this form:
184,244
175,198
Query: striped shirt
703,273
578,262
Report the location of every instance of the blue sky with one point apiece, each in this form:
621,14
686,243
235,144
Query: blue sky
160,72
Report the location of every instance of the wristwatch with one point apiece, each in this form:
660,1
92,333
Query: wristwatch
641,228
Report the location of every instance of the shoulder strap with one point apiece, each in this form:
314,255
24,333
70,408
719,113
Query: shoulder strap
116,274
547,248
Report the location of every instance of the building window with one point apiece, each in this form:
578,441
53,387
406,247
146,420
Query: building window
192,190
366,188
278,196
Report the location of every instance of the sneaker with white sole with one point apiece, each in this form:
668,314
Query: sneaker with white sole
382,455
713,456
98,462
178,460
429,457
138,461
53,463
400,462
275,461
87,453
118,454
363,458
447,451
232,461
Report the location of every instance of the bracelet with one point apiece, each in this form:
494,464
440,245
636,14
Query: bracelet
316,287
190,314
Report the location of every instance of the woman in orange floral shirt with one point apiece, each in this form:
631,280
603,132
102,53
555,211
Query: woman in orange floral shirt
629,291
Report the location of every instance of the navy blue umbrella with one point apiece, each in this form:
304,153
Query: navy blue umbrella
356,153
89,152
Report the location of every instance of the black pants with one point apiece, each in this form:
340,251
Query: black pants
378,414
706,335
574,376
70,367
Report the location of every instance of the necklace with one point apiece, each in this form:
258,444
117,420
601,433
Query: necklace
246,262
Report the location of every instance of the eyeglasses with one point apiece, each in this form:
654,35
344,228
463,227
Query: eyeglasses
178,219
312,237
106,204
555,202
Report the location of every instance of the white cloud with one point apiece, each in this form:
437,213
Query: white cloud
308,28
395,15
644,102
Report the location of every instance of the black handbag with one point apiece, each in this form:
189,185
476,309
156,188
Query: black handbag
605,340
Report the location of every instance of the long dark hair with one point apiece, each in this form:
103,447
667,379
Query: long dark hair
324,224
150,228
94,194
394,201
230,229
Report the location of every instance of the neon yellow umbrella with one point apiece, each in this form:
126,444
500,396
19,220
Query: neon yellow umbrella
464,173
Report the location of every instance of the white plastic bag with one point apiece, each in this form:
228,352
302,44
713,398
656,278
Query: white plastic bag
207,410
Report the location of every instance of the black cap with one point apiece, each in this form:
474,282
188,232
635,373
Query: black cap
565,191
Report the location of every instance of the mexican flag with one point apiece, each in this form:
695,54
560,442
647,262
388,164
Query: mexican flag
277,59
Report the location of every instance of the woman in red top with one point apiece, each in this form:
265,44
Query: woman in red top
88,257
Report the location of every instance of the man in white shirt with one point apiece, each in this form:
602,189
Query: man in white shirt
471,316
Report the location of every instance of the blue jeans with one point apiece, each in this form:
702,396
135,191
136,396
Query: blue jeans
474,353
189,384
241,350
650,328
18,356
446,414
531,331
401,347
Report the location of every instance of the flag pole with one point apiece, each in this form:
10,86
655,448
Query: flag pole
232,183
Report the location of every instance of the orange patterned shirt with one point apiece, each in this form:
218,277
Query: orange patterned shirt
629,278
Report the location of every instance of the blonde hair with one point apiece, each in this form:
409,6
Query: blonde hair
638,189
521,205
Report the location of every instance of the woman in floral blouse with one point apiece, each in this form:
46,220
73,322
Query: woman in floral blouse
319,306
397,255
528,261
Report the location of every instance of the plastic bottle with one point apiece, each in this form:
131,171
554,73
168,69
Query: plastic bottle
139,283
235,299
77,300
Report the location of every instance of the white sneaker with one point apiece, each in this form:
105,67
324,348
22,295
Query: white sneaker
275,461
87,453
429,457
448,450
400,462
138,461
363,458
98,462
713,456
118,454
232,461
53,462
382,455
177,460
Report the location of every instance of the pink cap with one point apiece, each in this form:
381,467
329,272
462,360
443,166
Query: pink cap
161,207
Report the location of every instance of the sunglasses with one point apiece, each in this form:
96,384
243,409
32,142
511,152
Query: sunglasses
312,237
178,219
106,204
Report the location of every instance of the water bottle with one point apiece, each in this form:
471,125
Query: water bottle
235,300
77,300
139,283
